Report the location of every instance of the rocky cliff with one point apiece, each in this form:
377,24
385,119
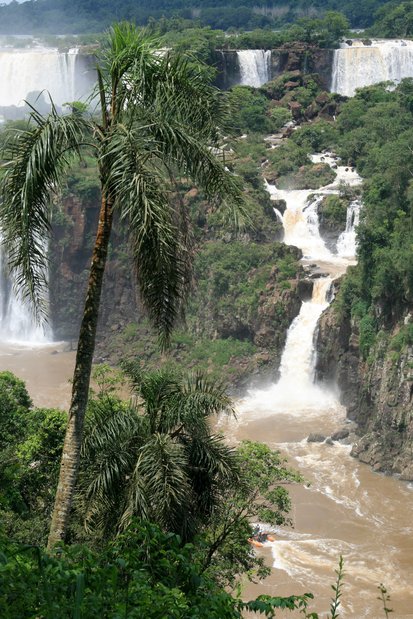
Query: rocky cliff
70,253
291,57
377,391
244,307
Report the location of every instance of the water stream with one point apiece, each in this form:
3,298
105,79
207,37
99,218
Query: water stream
347,509
381,60
255,66
17,321
66,76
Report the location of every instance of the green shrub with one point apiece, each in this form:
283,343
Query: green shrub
368,330
279,117
333,211
402,339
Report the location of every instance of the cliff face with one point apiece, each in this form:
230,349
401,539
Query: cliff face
303,58
276,298
291,57
377,392
70,252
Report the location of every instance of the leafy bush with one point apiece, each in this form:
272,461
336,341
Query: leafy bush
145,573
368,330
250,110
15,404
333,211
402,339
316,137
279,117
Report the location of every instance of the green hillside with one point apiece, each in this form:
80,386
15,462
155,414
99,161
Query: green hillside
77,16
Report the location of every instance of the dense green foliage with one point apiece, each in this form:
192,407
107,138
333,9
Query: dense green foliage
144,573
373,132
30,447
185,35
394,19
95,15
156,458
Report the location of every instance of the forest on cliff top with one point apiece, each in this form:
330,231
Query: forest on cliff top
77,16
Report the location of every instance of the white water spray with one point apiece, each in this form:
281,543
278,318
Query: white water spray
255,67
17,322
358,65
62,74
347,241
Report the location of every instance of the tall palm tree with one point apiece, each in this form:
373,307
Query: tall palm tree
157,117
157,458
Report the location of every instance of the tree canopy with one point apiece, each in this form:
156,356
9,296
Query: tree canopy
95,15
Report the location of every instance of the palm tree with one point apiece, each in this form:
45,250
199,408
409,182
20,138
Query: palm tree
158,117
156,458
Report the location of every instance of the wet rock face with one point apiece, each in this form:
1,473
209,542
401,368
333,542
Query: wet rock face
314,437
304,58
378,394
228,69
71,250
305,289
291,57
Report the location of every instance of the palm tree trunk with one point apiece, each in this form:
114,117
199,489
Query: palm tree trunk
81,379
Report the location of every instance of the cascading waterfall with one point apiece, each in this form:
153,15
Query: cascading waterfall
66,77
42,69
255,67
358,65
17,323
347,241
296,391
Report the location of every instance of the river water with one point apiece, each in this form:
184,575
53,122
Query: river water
345,509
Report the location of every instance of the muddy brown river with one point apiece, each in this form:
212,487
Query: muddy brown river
345,509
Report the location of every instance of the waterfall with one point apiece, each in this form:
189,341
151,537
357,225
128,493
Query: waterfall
296,392
300,221
17,323
255,67
63,75
298,359
278,215
358,65
347,242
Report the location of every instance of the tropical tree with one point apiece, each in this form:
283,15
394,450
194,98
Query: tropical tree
157,116
156,458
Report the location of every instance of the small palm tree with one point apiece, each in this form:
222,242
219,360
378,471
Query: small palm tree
158,116
156,459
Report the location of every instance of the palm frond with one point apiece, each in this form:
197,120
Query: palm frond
127,63
163,466
137,501
110,422
35,160
214,470
160,256
206,396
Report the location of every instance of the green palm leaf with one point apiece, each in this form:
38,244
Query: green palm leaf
35,160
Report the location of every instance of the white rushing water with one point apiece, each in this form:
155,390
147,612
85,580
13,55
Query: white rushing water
294,406
17,322
255,67
347,240
358,65
296,390
24,71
